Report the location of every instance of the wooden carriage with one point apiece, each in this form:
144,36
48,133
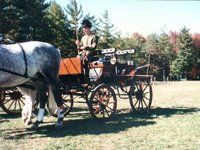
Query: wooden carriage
108,80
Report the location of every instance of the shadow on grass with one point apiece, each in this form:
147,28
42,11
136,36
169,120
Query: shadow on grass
6,117
119,122
168,112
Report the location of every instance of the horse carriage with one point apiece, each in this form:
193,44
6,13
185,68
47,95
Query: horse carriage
111,77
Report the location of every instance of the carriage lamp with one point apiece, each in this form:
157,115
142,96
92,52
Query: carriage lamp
130,62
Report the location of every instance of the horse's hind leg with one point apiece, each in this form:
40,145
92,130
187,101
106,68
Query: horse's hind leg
41,88
54,85
55,88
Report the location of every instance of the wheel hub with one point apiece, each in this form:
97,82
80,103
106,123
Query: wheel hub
139,95
15,95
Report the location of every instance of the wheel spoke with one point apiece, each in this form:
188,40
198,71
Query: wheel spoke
107,112
146,98
19,104
136,103
103,102
15,105
144,102
111,102
66,105
22,101
6,101
96,99
108,107
137,86
146,93
141,104
11,105
145,88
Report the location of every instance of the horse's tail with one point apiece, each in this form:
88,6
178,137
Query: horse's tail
51,104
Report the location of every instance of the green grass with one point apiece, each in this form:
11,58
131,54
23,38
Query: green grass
173,123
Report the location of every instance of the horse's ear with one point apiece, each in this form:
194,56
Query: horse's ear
9,41
5,40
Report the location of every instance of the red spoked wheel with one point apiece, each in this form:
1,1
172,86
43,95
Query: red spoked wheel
140,96
103,102
12,100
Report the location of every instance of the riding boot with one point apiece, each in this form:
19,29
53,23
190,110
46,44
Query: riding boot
40,118
60,114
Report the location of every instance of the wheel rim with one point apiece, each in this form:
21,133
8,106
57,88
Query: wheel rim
12,101
67,103
103,102
141,97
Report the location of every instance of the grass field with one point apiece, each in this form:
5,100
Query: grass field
173,123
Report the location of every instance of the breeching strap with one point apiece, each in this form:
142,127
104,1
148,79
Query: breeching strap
25,60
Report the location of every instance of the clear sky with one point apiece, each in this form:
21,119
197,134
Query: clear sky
145,17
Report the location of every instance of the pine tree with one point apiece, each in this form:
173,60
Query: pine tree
106,29
33,24
139,41
119,42
195,73
2,15
9,19
165,52
75,13
151,47
184,62
60,33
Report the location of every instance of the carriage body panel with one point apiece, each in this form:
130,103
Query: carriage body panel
70,66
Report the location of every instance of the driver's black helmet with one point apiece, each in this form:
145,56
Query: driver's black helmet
86,24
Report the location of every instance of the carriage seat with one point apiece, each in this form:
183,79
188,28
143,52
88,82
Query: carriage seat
71,66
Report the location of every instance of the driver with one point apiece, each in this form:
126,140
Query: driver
88,42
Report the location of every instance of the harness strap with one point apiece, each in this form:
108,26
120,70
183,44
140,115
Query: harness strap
25,60
15,73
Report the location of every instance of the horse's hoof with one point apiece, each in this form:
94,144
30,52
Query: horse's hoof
28,123
35,125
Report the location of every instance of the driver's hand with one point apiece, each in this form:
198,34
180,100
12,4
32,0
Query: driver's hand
77,42
82,47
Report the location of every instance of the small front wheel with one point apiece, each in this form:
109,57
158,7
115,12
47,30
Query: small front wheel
103,102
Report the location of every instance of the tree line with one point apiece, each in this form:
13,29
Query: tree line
172,56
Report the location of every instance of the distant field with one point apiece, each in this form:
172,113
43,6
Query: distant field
173,123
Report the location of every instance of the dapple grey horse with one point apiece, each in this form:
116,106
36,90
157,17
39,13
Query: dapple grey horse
36,61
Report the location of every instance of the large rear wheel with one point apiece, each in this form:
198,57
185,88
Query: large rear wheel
140,96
